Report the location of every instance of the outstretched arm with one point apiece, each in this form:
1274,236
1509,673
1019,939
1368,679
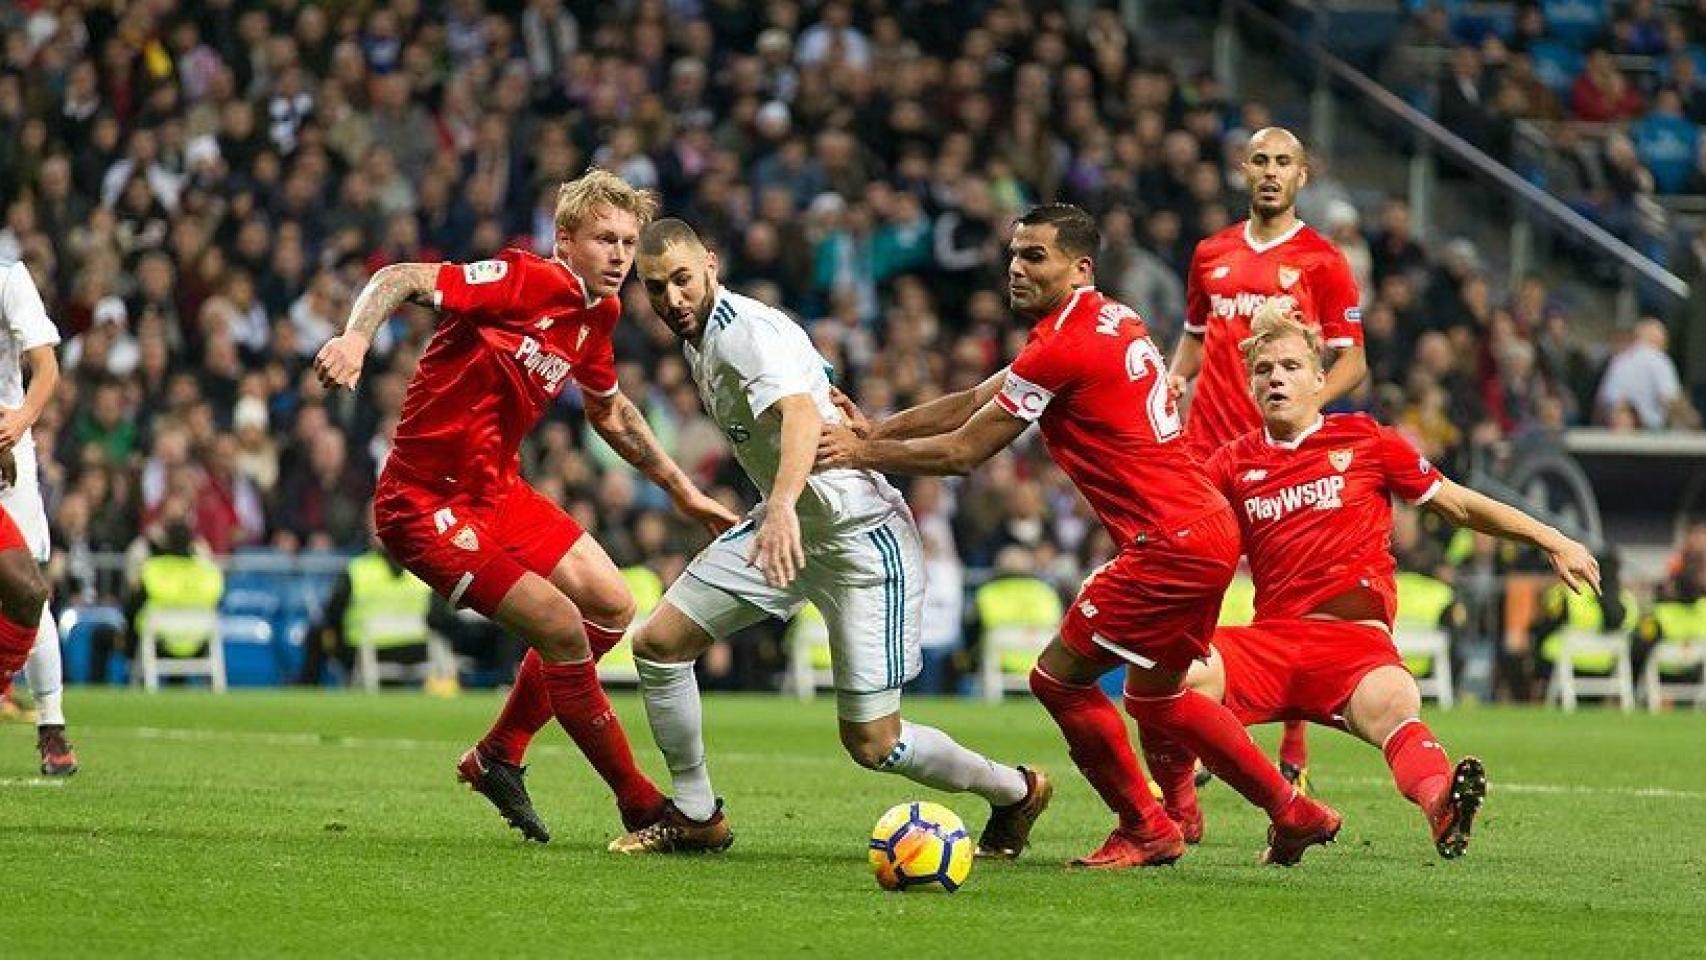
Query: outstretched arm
339,362
975,441
941,415
622,426
44,379
1464,507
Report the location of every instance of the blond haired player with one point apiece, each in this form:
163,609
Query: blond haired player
451,505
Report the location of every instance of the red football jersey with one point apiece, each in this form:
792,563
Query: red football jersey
1231,277
1098,385
1316,512
514,330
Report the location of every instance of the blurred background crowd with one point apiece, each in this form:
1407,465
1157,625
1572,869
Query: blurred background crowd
201,189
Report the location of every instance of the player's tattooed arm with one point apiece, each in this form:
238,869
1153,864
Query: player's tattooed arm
622,426
339,362
389,289
947,454
1574,563
942,415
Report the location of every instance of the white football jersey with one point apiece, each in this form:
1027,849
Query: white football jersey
751,355
23,317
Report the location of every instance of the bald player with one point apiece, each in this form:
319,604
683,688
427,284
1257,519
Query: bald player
1272,256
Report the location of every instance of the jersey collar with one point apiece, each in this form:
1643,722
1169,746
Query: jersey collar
586,291
1296,441
1072,301
1250,239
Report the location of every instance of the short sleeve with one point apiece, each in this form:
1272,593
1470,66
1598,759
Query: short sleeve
25,314
1041,371
1407,473
1337,302
771,369
1196,298
480,290
595,367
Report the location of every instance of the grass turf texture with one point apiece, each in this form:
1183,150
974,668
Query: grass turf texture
275,823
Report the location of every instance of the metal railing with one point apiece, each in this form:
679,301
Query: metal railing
1330,77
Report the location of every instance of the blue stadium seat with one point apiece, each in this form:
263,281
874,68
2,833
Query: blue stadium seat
1556,64
1576,22
250,658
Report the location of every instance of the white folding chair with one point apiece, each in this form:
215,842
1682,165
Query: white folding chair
1566,687
1026,641
1674,654
1435,644
440,661
808,652
185,623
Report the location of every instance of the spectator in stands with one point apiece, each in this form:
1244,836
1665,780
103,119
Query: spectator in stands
1643,376
324,496
1668,144
1462,101
1601,93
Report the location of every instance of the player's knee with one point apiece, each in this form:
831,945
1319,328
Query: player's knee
869,749
23,591
562,639
611,609
1387,698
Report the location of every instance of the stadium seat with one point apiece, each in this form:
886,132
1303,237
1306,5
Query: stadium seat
1588,661
808,653
440,663
1009,653
1422,639
1680,653
151,666
248,650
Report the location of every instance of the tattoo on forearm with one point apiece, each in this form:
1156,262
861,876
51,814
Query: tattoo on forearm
631,438
389,289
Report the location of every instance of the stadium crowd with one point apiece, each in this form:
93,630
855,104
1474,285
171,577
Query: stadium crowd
200,189
1620,89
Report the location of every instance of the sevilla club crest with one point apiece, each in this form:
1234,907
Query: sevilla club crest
1288,276
1340,459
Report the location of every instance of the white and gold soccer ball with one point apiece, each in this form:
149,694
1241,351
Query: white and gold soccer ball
921,846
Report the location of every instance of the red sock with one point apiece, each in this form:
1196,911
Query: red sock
1172,765
1096,738
1210,731
1293,748
528,708
16,641
601,638
1419,764
584,711
526,711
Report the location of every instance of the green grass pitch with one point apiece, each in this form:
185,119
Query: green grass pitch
328,824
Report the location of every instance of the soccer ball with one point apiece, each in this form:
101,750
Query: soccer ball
921,846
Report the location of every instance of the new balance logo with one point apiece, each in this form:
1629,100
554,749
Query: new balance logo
443,520
1220,273
544,323
1088,609
1255,476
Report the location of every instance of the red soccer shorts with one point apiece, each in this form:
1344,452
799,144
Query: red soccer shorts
1299,669
11,538
472,553
1156,603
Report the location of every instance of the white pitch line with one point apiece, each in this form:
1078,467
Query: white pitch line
31,782
298,739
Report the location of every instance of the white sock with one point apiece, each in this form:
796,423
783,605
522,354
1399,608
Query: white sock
45,674
927,755
671,693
